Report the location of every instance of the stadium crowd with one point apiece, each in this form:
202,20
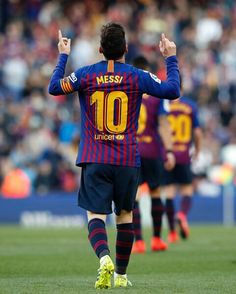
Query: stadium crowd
40,133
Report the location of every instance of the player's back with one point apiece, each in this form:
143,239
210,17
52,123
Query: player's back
183,119
110,101
110,95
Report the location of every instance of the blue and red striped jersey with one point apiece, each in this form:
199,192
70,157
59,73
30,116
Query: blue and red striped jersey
149,140
183,118
110,95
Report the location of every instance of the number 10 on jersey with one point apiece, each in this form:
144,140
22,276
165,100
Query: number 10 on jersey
105,111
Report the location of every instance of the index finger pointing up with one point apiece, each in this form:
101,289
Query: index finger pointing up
163,36
60,35
163,40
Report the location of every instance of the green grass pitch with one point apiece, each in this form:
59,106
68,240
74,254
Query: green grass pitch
61,261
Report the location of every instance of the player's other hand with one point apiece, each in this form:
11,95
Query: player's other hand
63,44
170,161
167,47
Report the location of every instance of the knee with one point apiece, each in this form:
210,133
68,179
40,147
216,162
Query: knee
155,193
124,217
186,190
92,215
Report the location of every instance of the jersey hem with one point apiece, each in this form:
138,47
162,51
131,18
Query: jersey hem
82,163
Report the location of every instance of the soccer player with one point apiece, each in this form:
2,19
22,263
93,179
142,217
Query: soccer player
183,118
153,134
110,94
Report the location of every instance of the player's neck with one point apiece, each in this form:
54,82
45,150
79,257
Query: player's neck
121,60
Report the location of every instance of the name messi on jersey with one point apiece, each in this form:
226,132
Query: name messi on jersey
106,79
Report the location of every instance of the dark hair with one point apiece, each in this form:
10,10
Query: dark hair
140,62
113,41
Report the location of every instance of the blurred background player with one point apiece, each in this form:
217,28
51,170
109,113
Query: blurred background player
153,132
110,94
186,131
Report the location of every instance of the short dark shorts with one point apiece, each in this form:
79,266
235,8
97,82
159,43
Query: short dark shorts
151,172
102,184
181,174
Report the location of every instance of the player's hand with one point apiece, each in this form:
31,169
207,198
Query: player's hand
167,47
170,161
63,44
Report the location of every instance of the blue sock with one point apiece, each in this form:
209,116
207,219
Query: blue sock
137,222
170,212
98,237
157,210
124,243
185,204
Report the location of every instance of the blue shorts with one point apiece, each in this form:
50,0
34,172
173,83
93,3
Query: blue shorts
102,184
181,174
151,172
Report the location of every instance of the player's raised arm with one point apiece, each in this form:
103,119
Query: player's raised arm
170,89
58,84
